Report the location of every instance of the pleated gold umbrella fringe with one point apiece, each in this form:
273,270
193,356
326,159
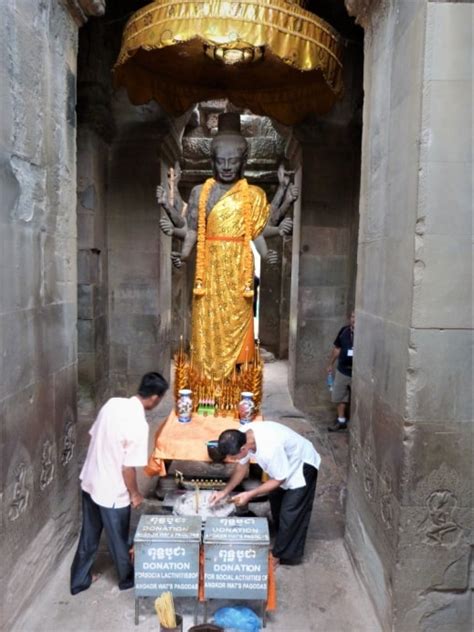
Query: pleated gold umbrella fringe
270,56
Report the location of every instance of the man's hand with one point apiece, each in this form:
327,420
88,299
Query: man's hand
286,227
167,227
176,259
161,196
242,499
216,497
271,257
136,499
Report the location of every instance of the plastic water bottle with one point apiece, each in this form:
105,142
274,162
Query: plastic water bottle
330,380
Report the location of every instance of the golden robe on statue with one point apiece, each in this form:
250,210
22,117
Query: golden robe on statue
222,320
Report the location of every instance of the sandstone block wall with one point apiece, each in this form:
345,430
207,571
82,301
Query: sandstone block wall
92,324
325,242
96,127
409,495
38,307
139,264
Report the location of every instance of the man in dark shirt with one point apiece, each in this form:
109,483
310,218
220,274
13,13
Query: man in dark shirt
343,352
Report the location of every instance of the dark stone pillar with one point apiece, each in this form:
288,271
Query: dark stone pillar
139,264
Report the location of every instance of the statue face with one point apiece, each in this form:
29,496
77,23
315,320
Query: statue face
228,161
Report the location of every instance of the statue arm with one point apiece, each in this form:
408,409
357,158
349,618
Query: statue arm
188,245
178,258
181,233
270,231
270,256
171,211
283,229
169,229
178,203
284,197
261,245
275,204
190,231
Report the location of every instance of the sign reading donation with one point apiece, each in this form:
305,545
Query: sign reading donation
236,558
167,555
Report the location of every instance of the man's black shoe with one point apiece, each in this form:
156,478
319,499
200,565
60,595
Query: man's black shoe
337,426
294,562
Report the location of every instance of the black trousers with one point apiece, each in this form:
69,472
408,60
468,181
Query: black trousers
291,512
116,523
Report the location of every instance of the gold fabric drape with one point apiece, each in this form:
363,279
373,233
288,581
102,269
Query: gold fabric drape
163,58
221,317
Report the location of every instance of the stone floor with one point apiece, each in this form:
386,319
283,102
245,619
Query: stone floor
323,594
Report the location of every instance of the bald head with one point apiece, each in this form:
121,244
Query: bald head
223,143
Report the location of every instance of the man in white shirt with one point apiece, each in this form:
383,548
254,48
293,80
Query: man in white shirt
118,445
292,465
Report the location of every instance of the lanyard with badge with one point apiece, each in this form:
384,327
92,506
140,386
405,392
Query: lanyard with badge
350,352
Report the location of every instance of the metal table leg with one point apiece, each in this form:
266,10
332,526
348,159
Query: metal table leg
137,609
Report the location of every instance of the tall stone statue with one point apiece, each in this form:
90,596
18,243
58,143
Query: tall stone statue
223,216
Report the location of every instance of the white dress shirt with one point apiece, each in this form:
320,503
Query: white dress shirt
281,453
119,437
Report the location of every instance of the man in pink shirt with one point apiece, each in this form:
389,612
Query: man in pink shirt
118,445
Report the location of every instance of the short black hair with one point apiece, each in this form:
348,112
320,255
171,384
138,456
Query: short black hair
152,384
231,442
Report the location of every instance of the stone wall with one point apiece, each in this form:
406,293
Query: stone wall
38,363
323,278
92,325
96,128
124,266
139,264
409,494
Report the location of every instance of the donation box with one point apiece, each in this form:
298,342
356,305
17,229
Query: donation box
167,555
236,558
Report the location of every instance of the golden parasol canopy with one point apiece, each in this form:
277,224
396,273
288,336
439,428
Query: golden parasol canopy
270,56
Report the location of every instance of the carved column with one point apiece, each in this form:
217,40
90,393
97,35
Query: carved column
82,10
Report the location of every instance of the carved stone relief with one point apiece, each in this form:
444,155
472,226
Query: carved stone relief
366,12
21,492
439,493
359,9
47,464
81,10
355,447
369,469
386,498
440,525
69,440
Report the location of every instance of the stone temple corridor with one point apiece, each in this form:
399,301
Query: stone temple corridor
90,301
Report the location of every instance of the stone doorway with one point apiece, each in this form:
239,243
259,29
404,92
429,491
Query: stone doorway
129,319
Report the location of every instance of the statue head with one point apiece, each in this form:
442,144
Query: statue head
228,149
